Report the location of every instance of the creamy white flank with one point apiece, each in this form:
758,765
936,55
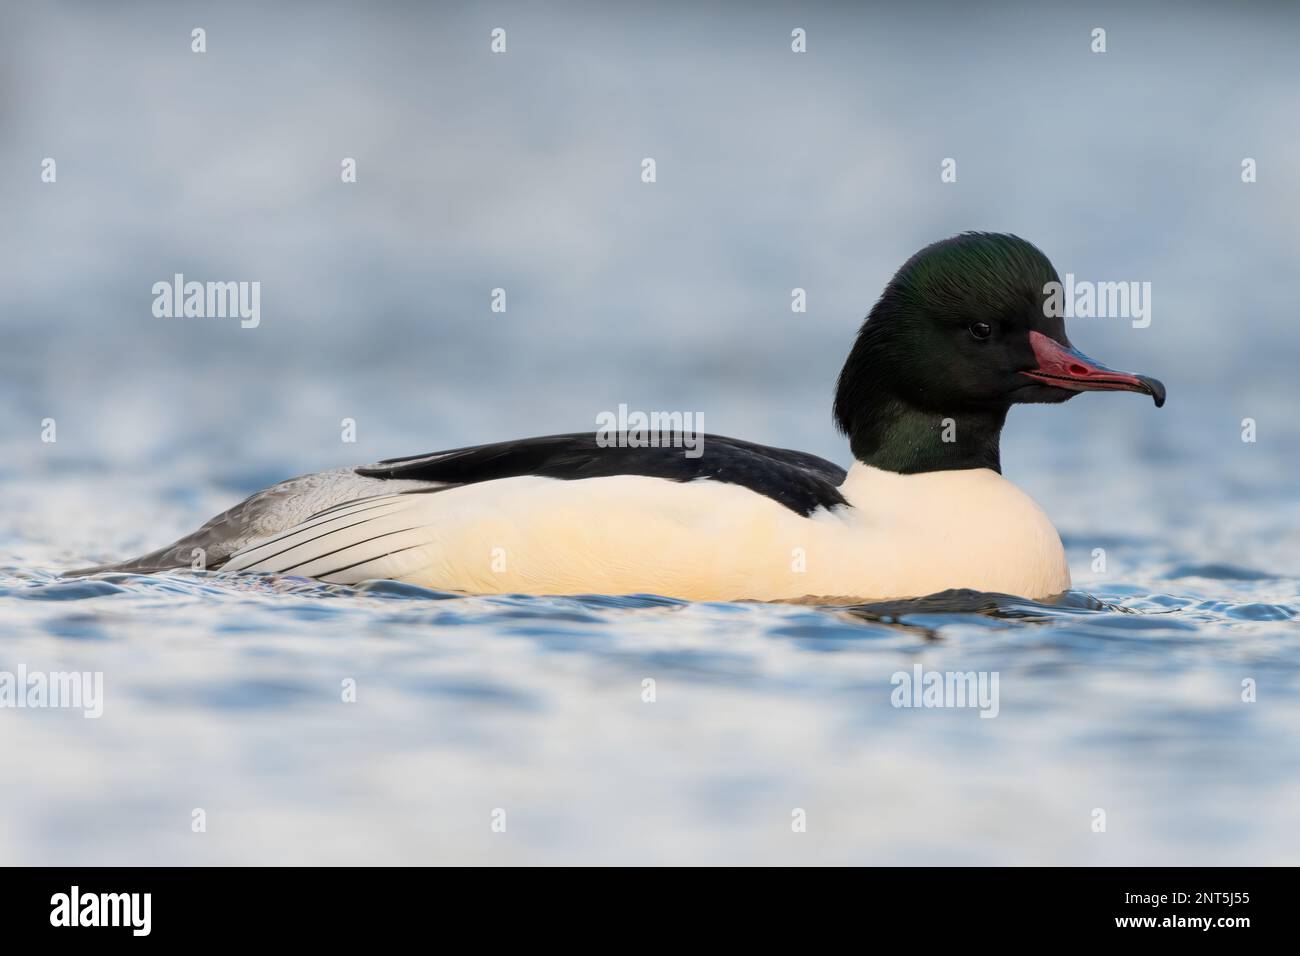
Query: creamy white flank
902,536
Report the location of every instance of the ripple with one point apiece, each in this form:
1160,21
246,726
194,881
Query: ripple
1261,612
1220,572
79,590
401,591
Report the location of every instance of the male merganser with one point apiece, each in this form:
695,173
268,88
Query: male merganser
961,333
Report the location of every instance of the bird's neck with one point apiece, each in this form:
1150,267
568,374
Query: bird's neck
896,437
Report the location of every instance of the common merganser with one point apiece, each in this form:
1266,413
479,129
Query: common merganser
960,334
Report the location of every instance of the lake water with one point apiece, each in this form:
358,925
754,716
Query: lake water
225,694
776,171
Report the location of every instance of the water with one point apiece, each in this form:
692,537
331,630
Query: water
225,694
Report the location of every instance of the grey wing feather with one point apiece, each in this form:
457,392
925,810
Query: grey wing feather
261,516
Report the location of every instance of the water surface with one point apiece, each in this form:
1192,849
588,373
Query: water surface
225,693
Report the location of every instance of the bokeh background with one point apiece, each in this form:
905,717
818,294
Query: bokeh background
522,171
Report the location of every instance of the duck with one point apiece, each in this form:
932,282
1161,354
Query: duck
961,333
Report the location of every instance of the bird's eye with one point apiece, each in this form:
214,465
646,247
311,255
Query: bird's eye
981,330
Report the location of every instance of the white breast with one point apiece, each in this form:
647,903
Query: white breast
947,529
901,536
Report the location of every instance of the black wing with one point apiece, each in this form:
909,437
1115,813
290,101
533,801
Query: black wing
799,481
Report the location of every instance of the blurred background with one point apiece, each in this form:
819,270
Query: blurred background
522,171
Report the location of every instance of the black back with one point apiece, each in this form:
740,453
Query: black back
799,481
